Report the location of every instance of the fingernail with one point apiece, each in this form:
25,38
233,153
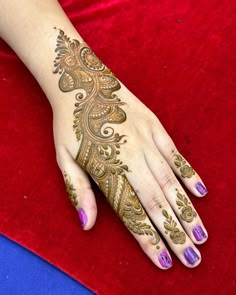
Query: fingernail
201,188
165,259
190,255
199,233
82,217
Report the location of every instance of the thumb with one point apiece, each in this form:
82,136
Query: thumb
78,188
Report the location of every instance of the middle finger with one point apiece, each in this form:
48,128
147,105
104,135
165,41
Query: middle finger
162,215
177,197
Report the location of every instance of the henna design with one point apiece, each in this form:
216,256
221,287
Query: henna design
177,236
70,190
97,107
185,169
187,212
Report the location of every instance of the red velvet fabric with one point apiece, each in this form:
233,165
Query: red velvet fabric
177,57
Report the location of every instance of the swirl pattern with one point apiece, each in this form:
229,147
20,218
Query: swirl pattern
94,113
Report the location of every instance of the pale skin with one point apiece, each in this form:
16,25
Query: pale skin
157,171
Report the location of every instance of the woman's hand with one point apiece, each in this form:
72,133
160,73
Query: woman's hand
100,127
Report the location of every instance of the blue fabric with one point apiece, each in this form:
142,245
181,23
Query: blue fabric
23,273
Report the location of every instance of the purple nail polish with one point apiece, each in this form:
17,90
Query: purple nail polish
165,259
190,255
201,188
198,233
82,217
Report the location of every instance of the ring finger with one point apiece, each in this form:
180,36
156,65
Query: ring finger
176,197
178,163
162,215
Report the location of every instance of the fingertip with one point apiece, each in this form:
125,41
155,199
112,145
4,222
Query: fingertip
87,210
82,217
192,257
164,260
200,189
196,186
199,234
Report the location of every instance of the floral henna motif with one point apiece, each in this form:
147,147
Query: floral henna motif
177,236
97,107
186,170
187,212
70,190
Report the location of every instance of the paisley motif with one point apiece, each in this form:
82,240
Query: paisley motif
97,108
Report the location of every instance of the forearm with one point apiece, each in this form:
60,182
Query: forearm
28,26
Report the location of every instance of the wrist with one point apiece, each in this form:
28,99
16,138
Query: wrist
32,35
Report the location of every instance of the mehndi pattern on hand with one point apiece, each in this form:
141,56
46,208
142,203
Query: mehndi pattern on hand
177,236
187,212
70,190
96,107
186,170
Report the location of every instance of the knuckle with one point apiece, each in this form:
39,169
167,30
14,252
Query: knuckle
146,244
172,153
155,203
169,148
168,180
60,154
154,120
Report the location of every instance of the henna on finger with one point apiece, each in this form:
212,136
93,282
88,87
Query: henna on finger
187,211
96,107
170,225
186,170
70,190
